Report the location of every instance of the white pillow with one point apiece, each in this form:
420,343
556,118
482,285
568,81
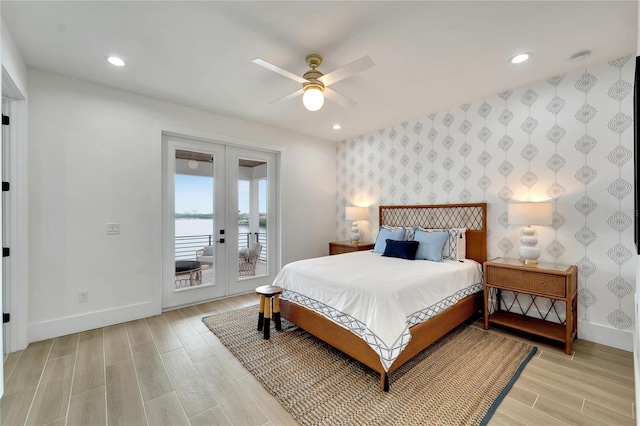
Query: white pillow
457,244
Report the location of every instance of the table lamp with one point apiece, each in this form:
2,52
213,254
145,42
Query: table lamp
355,214
529,214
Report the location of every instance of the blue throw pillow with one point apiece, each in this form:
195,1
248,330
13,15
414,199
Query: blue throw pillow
388,234
431,244
401,249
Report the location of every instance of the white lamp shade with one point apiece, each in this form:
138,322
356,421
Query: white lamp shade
313,98
530,214
356,213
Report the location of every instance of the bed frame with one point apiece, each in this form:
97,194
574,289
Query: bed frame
471,216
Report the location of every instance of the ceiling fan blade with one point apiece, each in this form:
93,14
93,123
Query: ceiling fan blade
289,96
348,70
336,97
279,70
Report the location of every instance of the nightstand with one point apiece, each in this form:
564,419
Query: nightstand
339,247
557,283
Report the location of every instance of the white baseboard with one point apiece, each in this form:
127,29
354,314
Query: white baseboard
608,336
77,323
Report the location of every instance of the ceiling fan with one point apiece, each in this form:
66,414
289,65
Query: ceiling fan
315,84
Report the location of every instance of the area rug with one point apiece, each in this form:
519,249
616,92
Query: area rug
458,380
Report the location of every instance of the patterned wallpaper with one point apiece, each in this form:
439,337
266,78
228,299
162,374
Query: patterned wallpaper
568,139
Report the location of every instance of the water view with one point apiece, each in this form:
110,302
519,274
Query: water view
195,227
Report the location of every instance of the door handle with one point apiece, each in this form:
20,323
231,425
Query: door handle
221,241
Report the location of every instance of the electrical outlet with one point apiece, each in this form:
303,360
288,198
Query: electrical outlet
83,296
113,229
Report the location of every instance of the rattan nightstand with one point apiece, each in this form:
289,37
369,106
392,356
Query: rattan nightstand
557,283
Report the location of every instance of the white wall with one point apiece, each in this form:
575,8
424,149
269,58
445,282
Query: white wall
92,161
12,61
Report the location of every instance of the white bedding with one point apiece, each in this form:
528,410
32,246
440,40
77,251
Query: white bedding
376,297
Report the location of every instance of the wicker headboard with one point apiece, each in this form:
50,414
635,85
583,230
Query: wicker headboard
472,216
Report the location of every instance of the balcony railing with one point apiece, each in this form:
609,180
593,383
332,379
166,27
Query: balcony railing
186,246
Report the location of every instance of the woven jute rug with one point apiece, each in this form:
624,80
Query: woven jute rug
458,380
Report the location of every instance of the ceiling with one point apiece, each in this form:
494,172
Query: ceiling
429,56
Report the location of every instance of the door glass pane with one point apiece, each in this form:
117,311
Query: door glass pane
194,220
253,250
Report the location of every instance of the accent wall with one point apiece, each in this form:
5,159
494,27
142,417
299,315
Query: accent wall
568,140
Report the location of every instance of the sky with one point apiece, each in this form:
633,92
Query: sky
195,193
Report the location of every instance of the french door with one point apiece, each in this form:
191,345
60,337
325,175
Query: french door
219,222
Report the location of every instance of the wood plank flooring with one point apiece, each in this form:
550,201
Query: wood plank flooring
170,370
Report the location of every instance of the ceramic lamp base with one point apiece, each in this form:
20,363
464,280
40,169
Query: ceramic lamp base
355,233
528,251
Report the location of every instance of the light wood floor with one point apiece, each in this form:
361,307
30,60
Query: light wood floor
169,369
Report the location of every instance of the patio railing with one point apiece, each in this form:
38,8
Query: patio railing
186,246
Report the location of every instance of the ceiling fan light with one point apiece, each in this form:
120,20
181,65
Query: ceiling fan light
313,98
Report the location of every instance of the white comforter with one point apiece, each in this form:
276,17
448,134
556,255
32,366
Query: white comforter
376,297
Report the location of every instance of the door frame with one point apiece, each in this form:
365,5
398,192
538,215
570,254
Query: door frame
18,229
161,130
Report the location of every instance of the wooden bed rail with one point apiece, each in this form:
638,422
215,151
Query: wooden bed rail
471,216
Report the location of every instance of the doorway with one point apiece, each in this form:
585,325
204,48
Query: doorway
4,234
15,220
219,220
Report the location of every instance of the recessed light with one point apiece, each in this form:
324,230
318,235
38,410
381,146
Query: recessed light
520,57
114,60
336,127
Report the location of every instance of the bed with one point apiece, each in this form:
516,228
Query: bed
354,337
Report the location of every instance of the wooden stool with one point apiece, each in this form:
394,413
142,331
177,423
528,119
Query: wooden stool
266,292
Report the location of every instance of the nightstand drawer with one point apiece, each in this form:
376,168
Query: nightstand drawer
536,282
341,249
